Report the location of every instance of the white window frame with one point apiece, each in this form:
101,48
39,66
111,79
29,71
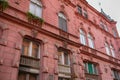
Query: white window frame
62,61
112,51
91,41
30,49
107,48
36,4
82,37
62,15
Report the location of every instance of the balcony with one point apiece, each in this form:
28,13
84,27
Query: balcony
88,50
64,34
98,54
92,76
29,61
64,69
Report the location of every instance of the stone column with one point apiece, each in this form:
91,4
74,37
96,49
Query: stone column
74,66
44,60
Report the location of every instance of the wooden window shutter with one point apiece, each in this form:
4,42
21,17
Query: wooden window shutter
90,68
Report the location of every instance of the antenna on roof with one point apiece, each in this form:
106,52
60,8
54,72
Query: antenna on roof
100,7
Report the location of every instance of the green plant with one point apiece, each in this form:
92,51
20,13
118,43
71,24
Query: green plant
3,4
34,17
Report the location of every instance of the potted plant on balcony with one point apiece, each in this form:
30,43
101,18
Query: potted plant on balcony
34,19
3,5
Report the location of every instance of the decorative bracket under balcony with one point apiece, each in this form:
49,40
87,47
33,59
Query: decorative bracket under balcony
64,34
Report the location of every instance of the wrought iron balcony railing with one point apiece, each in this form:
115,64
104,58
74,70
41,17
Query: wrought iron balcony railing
64,69
29,61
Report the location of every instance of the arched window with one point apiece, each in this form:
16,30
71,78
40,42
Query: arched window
36,8
31,48
112,50
90,41
82,37
62,21
107,48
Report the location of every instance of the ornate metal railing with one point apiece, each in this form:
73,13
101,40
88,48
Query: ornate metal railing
64,69
29,61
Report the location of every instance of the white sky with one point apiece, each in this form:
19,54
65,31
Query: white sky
110,7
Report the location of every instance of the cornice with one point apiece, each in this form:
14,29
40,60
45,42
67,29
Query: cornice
41,30
94,55
95,25
97,12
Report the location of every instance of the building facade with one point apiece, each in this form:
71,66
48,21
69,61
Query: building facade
57,40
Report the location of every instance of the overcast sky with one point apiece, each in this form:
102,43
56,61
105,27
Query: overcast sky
110,7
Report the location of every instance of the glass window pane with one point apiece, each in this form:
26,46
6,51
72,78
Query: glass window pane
38,11
90,68
32,8
62,24
107,49
35,50
82,37
25,47
112,50
90,41
60,57
86,67
21,76
79,9
66,59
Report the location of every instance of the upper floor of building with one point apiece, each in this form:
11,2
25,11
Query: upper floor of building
74,20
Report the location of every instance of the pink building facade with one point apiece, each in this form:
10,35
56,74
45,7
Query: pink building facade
57,40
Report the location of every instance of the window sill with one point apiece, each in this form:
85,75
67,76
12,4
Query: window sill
92,74
64,65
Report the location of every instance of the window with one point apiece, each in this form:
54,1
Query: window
27,76
30,48
90,41
82,37
107,48
79,10
114,33
112,50
36,7
90,68
64,58
115,75
104,26
85,14
62,22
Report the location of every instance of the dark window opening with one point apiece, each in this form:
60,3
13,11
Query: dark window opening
62,22
30,48
79,10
